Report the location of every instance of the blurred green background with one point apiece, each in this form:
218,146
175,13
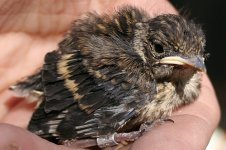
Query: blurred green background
212,16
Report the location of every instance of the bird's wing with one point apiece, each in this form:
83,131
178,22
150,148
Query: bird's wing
91,62
88,90
66,82
77,104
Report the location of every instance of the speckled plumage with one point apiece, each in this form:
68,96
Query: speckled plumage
112,73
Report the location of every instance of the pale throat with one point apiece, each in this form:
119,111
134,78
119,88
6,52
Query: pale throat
171,96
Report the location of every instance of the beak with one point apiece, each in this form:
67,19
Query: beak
195,62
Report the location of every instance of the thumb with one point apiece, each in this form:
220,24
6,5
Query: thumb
12,137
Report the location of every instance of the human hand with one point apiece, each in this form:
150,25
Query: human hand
30,29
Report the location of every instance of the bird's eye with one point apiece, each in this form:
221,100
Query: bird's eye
158,48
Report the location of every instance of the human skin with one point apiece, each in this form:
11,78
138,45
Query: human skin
29,29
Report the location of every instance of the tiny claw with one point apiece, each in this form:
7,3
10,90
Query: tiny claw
169,120
150,124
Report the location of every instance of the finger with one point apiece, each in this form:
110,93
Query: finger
187,132
3,104
152,7
14,110
20,114
12,138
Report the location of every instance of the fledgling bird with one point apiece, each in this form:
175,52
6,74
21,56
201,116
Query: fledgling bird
111,74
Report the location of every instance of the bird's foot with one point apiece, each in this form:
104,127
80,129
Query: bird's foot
117,139
147,126
120,139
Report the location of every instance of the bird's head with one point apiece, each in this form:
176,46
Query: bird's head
171,45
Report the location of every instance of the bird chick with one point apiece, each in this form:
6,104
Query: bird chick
111,74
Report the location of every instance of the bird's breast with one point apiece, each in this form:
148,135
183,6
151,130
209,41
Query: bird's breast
169,96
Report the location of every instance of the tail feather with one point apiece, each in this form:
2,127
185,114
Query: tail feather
30,88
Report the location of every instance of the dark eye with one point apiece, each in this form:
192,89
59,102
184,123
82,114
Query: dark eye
158,48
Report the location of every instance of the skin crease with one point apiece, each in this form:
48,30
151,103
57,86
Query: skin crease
29,29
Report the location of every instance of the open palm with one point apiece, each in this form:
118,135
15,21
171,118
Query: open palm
29,29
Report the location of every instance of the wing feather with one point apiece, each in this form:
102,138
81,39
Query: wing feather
88,86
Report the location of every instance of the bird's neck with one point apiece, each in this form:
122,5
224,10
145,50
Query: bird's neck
179,92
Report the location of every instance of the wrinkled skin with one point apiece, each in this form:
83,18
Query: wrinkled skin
29,29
